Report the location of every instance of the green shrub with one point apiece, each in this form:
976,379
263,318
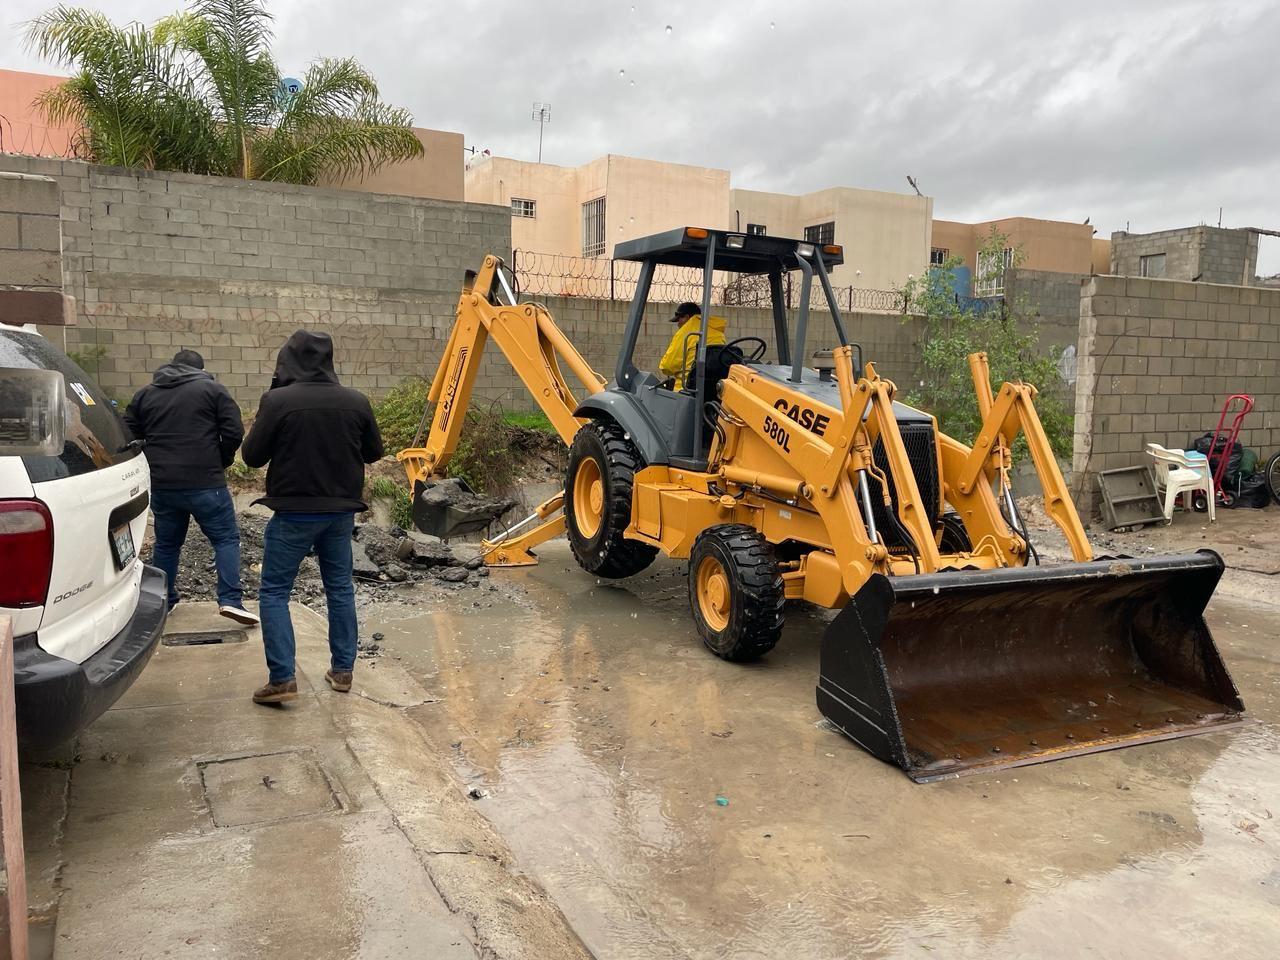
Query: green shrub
536,420
397,497
1006,331
400,413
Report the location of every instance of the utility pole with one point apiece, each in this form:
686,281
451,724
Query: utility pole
541,113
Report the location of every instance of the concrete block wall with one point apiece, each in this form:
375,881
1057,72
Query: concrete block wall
1205,254
1156,360
30,235
595,328
161,261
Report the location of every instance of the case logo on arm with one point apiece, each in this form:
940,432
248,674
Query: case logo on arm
451,391
809,419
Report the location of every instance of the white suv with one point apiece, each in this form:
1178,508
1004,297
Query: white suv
86,612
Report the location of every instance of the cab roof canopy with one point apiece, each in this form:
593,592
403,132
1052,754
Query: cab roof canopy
735,252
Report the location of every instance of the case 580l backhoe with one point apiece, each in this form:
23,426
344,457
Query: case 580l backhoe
783,482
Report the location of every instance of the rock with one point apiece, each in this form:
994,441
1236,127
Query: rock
483,572
397,532
395,573
451,574
429,554
362,567
475,563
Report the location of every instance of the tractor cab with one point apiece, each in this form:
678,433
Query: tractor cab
679,435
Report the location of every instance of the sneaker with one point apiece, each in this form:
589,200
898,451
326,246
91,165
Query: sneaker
340,680
239,615
276,692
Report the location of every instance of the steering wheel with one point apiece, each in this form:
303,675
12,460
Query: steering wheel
757,353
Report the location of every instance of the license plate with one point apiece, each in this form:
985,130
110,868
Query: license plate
122,546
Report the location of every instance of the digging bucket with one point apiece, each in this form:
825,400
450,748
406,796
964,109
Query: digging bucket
450,508
969,671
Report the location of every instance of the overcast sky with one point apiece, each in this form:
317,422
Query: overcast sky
1151,113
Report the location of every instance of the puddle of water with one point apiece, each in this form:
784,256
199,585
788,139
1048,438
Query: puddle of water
605,734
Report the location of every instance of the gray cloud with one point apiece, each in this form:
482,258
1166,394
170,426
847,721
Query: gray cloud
1150,112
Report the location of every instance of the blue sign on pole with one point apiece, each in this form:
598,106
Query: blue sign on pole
288,89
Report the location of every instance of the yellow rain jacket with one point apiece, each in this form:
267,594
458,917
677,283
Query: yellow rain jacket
681,352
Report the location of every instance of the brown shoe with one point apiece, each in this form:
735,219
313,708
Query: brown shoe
276,692
339,681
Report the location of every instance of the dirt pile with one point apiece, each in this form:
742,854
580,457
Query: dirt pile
390,564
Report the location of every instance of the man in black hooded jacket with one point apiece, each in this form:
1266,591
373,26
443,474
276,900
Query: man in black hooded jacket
192,429
317,436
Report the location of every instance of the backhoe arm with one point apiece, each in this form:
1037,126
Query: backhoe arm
534,346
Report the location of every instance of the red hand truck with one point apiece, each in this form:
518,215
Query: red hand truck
1223,452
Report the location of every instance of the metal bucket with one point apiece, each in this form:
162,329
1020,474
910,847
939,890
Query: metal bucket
450,508
966,671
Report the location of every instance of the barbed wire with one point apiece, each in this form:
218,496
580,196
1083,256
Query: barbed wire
36,140
602,278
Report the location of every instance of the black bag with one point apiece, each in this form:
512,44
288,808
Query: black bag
1231,475
1247,491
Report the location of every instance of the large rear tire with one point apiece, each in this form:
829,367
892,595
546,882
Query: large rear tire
736,592
597,502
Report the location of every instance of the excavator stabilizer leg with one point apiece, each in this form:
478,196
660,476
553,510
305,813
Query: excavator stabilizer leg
967,671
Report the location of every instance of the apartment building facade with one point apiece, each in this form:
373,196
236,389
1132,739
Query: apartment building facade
586,211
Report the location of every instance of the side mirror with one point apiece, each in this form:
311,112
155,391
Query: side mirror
33,420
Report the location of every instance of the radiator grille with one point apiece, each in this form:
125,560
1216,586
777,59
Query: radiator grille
921,451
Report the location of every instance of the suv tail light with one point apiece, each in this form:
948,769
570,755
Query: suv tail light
26,552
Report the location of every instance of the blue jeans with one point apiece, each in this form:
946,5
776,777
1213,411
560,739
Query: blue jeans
285,543
215,513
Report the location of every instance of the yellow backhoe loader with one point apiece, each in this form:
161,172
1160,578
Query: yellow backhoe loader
781,481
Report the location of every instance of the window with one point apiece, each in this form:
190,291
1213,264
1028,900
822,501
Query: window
821,233
593,228
1151,266
528,209
938,256
989,280
96,436
755,230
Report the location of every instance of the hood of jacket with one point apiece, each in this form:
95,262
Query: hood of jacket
306,357
715,325
172,374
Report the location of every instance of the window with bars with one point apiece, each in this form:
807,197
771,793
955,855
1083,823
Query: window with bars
756,229
593,228
528,209
989,279
821,233
938,256
1151,265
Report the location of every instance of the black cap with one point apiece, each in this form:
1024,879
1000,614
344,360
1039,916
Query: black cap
189,358
686,309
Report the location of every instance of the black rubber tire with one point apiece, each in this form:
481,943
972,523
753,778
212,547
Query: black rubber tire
606,553
756,593
1272,473
955,538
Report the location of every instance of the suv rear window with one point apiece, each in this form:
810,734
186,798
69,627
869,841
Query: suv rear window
96,435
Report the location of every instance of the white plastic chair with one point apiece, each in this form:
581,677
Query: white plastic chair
1179,472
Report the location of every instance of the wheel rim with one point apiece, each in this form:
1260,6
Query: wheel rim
588,497
713,593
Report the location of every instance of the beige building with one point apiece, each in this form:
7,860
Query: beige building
585,211
885,235
436,175
1050,245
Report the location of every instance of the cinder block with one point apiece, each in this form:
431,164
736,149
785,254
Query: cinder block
41,233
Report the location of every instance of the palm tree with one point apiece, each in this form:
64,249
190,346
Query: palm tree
199,92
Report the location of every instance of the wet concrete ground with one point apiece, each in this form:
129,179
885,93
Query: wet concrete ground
191,822
677,806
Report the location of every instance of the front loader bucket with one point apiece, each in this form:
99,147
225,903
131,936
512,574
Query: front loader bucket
960,672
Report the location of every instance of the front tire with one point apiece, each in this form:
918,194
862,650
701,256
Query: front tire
599,485
736,592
